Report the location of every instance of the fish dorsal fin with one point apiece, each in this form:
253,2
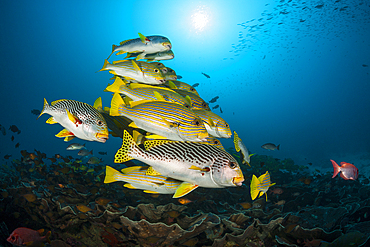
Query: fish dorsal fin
153,143
124,42
236,142
140,85
51,120
143,38
184,189
136,66
131,169
119,61
139,102
56,101
260,178
172,85
158,96
138,137
40,231
116,86
152,172
64,133
98,104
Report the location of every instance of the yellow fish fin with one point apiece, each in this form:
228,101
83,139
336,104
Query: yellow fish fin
246,162
110,174
211,123
72,117
154,136
139,102
120,52
172,85
64,133
119,61
51,120
254,183
272,184
116,86
188,100
153,143
138,137
106,63
193,167
151,192
184,189
131,169
136,66
152,172
68,138
46,105
143,38
169,124
129,186
124,42
260,178
98,104
141,56
113,48
128,145
133,125
113,72
115,104
140,85
127,101
106,109
158,96
236,142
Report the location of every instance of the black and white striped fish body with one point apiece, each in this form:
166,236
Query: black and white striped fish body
196,163
79,120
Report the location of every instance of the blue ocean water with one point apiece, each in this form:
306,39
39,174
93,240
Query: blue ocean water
288,72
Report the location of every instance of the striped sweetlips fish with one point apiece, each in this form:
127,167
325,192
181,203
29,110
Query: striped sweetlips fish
139,91
79,120
197,102
163,118
142,72
180,85
136,178
215,125
144,45
158,56
170,75
197,164
260,185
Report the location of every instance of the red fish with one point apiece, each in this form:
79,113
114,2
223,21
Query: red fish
348,171
27,237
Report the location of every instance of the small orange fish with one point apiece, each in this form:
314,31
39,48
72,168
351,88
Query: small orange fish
246,205
27,237
83,208
32,156
184,201
277,191
61,186
281,202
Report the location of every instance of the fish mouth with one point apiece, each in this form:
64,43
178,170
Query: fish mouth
167,45
238,181
101,137
161,81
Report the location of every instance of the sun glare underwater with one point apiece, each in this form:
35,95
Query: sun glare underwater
185,123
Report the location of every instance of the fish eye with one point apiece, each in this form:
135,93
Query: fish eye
164,70
196,123
156,70
187,106
227,125
192,89
232,165
99,122
216,142
12,237
204,104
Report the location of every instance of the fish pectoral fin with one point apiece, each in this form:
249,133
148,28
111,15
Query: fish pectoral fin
51,120
69,138
30,243
129,186
141,56
211,123
136,66
188,100
158,96
143,38
73,118
184,189
169,124
64,133
172,85
152,172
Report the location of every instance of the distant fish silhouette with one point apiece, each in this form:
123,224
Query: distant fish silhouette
365,65
179,76
206,75
215,107
195,85
14,129
36,112
213,100
102,153
221,110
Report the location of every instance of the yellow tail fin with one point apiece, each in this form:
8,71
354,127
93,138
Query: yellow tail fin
236,142
115,104
110,175
128,145
98,104
254,191
116,86
46,105
105,65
